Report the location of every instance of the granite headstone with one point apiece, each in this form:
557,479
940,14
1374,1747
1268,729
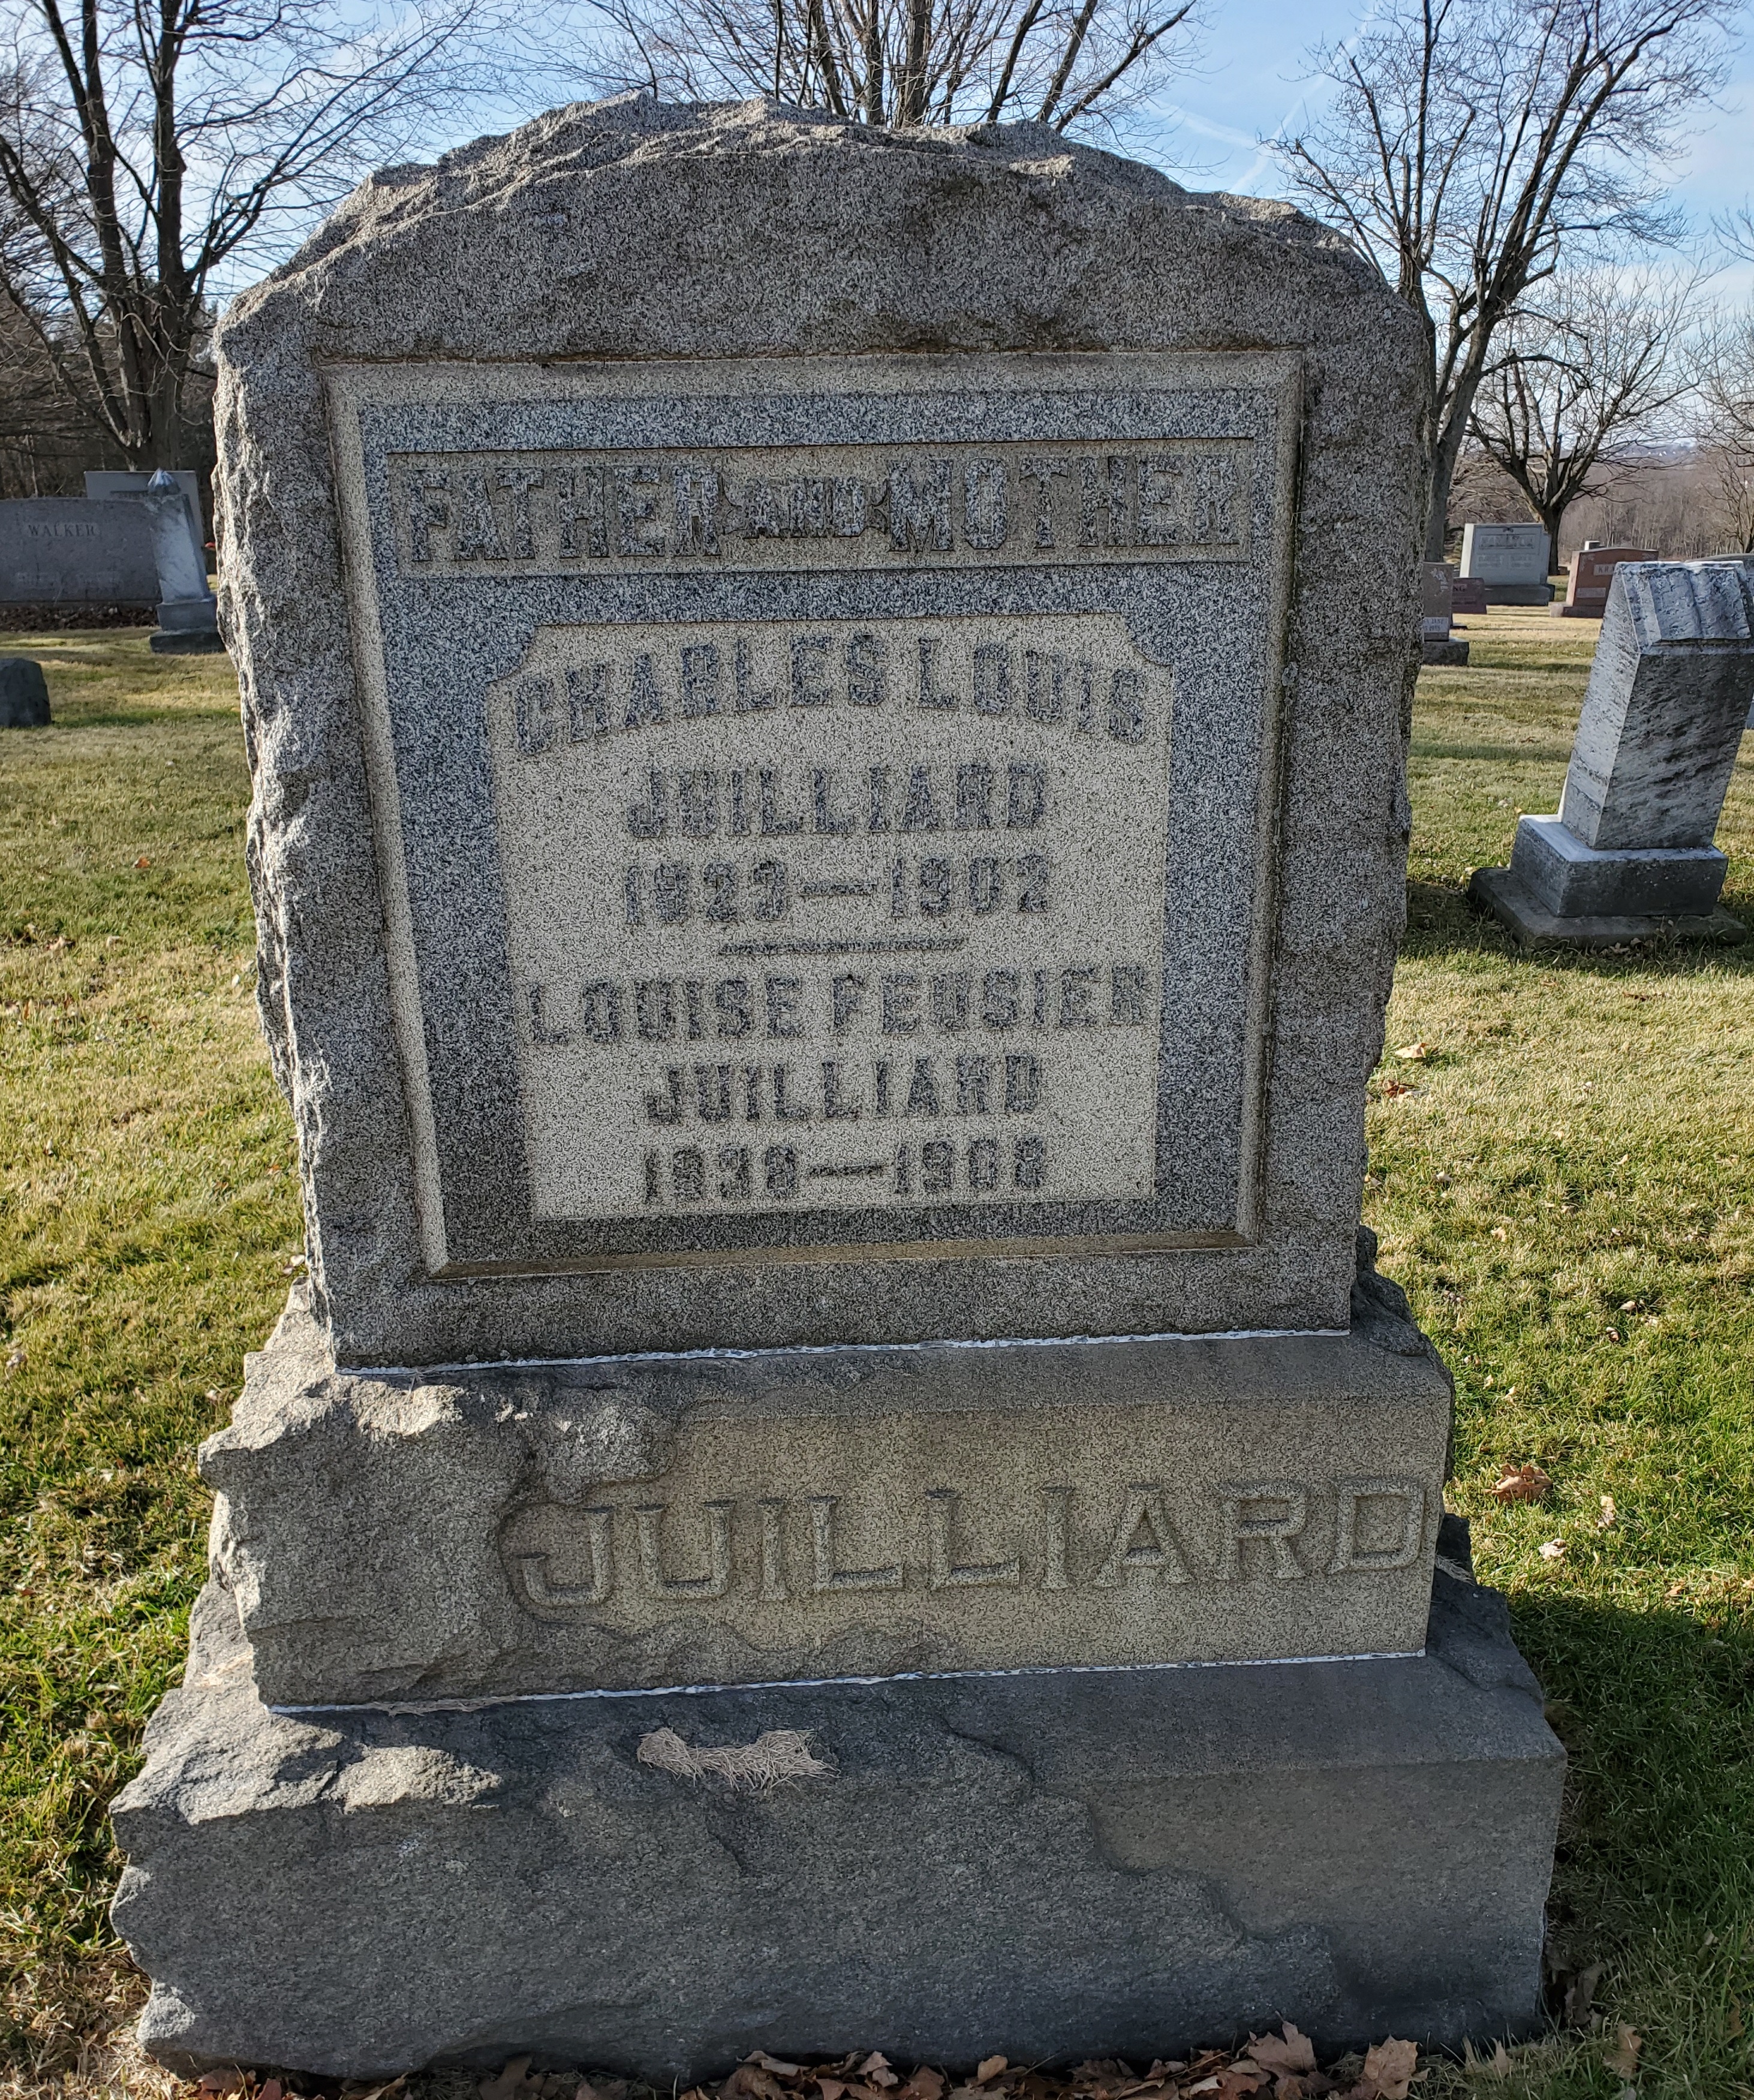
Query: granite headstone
1629,852
1509,560
1438,645
1586,590
107,486
65,551
829,836
24,693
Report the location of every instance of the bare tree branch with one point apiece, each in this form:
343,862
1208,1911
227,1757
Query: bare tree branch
1470,141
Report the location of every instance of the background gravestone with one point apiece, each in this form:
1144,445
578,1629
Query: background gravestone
56,550
788,787
24,693
112,485
1586,591
1509,560
1630,853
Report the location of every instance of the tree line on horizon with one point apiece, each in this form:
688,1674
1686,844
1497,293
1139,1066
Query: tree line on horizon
1505,165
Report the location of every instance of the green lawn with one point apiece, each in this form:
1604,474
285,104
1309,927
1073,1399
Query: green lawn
1562,1176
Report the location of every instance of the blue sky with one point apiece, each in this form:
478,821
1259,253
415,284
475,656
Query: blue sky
1248,82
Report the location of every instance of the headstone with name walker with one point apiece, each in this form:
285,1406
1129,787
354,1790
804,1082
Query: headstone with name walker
1630,853
59,550
1509,560
829,815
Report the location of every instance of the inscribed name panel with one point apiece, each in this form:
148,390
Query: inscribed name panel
823,805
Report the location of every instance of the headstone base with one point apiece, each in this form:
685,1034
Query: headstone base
186,642
1448,651
1053,1865
1496,890
1574,880
1518,593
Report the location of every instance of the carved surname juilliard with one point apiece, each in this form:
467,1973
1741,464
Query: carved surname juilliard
632,1556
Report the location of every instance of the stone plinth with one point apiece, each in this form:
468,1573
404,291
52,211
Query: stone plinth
1055,1866
854,1513
1630,853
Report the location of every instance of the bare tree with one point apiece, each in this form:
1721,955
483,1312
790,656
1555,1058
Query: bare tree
1583,373
1468,140
1072,64
149,148
1723,381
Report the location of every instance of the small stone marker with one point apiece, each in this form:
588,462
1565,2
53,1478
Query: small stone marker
1467,594
827,907
1586,591
1509,560
63,550
187,611
1629,853
24,693
1437,646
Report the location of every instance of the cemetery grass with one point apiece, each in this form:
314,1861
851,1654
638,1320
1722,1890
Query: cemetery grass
1561,1174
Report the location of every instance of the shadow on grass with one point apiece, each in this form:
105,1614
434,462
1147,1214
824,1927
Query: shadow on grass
1443,921
1655,1709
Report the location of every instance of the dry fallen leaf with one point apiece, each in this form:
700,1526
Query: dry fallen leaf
926,2083
1294,2054
143,861
830,2088
876,2068
506,2085
1392,1088
1554,1549
1622,2057
989,2066
773,2063
1526,1483
1609,1514
1414,1053
1388,2072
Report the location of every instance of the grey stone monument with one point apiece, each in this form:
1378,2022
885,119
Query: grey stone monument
1629,853
24,693
1510,561
828,834
1437,643
187,611
108,485
63,550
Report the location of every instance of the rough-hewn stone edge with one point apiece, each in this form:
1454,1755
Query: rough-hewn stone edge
222,1771
384,278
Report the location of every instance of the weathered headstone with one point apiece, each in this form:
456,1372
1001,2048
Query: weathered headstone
1586,590
1436,644
63,550
1509,560
24,693
1467,594
1629,853
187,611
819,833
110,486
